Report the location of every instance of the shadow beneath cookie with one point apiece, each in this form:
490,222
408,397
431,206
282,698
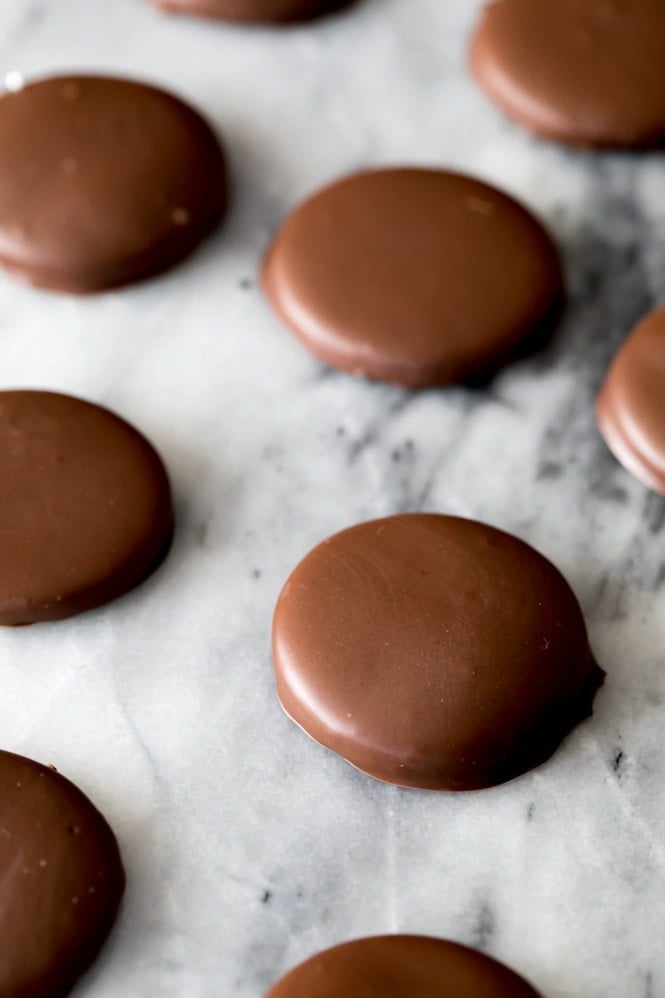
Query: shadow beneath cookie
535,343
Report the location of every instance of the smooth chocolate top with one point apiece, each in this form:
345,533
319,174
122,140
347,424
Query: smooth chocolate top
631,405
85,505
433,652
256,11
61,880
401,967
412,276
589,72
102,182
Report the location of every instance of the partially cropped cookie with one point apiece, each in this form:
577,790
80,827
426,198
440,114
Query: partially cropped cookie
61,880
631,405
103,181
253,11
588,72
85,502
412,276
401,967
432,651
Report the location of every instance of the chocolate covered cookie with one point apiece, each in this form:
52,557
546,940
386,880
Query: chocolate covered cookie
401,967
412,276
432,651
85,503
631,405
589,72
61,880
254,11
102,182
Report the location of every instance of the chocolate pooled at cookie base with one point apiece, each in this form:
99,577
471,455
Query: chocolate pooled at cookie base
433,652
254,11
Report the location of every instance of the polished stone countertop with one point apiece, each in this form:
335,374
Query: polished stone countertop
248,847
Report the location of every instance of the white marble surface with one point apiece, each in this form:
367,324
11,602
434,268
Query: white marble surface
247,847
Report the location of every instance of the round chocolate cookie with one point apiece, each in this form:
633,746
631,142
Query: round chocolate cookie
631,405
61,880
401,967
416,277
588,72
85,502
103,182
255,11
433,652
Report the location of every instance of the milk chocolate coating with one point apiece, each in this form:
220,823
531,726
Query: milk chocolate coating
85,505
401,967
253,11
61,880
631,405
417,277
588,72
103,182
433,652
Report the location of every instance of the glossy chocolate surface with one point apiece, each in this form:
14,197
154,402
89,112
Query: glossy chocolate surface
433,652
589,72
401,967
412,276
103,181
631,405
85,504
61,880
253,11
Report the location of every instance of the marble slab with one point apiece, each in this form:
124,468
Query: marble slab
247,846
